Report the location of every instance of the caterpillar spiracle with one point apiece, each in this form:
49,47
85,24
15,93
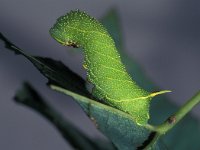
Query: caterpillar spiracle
112,84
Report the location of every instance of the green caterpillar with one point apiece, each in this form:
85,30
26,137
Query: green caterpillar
112,84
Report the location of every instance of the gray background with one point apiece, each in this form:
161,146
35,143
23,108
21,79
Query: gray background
163,36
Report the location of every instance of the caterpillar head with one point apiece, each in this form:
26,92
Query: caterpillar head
71,29
62,31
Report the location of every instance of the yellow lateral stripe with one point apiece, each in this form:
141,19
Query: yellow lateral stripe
145,97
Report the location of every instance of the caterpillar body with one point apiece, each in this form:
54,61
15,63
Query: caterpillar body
112,84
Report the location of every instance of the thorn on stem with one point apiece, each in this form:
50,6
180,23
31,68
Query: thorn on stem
171,120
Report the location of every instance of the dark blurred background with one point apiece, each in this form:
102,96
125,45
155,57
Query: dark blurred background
163,36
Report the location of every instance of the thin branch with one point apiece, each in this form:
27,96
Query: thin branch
173,120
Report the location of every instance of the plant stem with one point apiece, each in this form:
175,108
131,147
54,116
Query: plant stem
175,118
153,142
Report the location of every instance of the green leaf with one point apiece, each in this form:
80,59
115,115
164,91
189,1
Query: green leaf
27,96
56,71
184,135
118,126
